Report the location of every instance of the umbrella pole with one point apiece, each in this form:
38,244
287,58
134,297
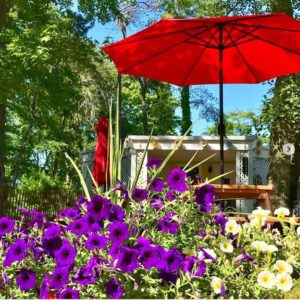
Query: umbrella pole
221,127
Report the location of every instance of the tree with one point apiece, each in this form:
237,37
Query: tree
238,123
49,71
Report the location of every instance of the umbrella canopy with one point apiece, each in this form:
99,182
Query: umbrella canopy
238,49
101,161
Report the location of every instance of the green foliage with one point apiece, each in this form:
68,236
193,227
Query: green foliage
239,123
161,105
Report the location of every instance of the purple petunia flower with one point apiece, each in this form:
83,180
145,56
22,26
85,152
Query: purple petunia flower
96,241
120,187
205,197
6,225
127,259
170,195
84,276
114,251
114,290
149,256
26,280
139,195
221,219
37,252
78,227
51,245
168,225
156,202
99,207
243,256
6,279
45,287
52,231
65,255
176,180
142,241
60,277
15,252
72,213
156,185
37,219
68,293
118,232
116,214
92,223
154,163
168,277
171,261
194,266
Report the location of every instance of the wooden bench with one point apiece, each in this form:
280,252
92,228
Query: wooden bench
261,193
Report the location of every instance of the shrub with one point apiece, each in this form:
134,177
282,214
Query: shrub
149,243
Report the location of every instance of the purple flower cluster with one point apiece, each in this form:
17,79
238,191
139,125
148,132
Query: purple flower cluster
167,224
94,240
205,197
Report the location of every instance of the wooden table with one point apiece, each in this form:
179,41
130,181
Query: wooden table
261,193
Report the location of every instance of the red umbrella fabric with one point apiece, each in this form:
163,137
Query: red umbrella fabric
186,51
101,161
238,49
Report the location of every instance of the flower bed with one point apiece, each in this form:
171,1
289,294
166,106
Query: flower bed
166,241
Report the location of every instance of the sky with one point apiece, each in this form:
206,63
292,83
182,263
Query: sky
242,97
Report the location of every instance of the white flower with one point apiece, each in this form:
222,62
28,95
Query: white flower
261,213
257,222
284,282
282,212
259,246
226,246
208,254
217,285
266,279
298,230
271,248
283,267
291,259
232,227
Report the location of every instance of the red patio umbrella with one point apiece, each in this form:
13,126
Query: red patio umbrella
101,161
238,49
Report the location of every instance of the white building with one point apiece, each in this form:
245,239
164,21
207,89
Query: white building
244,155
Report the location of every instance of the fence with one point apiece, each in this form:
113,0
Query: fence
49,202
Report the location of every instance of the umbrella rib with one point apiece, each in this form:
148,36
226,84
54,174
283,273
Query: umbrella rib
228,34
156,54
239,38
203,45
124,42
270,27
195,63
244,59
270,42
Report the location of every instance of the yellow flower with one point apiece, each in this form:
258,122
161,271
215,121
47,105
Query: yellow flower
283,267
282,212
232,227
284,282
226,246
266,279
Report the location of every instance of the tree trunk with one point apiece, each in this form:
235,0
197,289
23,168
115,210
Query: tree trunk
143,91
186,110
284,173
3,12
